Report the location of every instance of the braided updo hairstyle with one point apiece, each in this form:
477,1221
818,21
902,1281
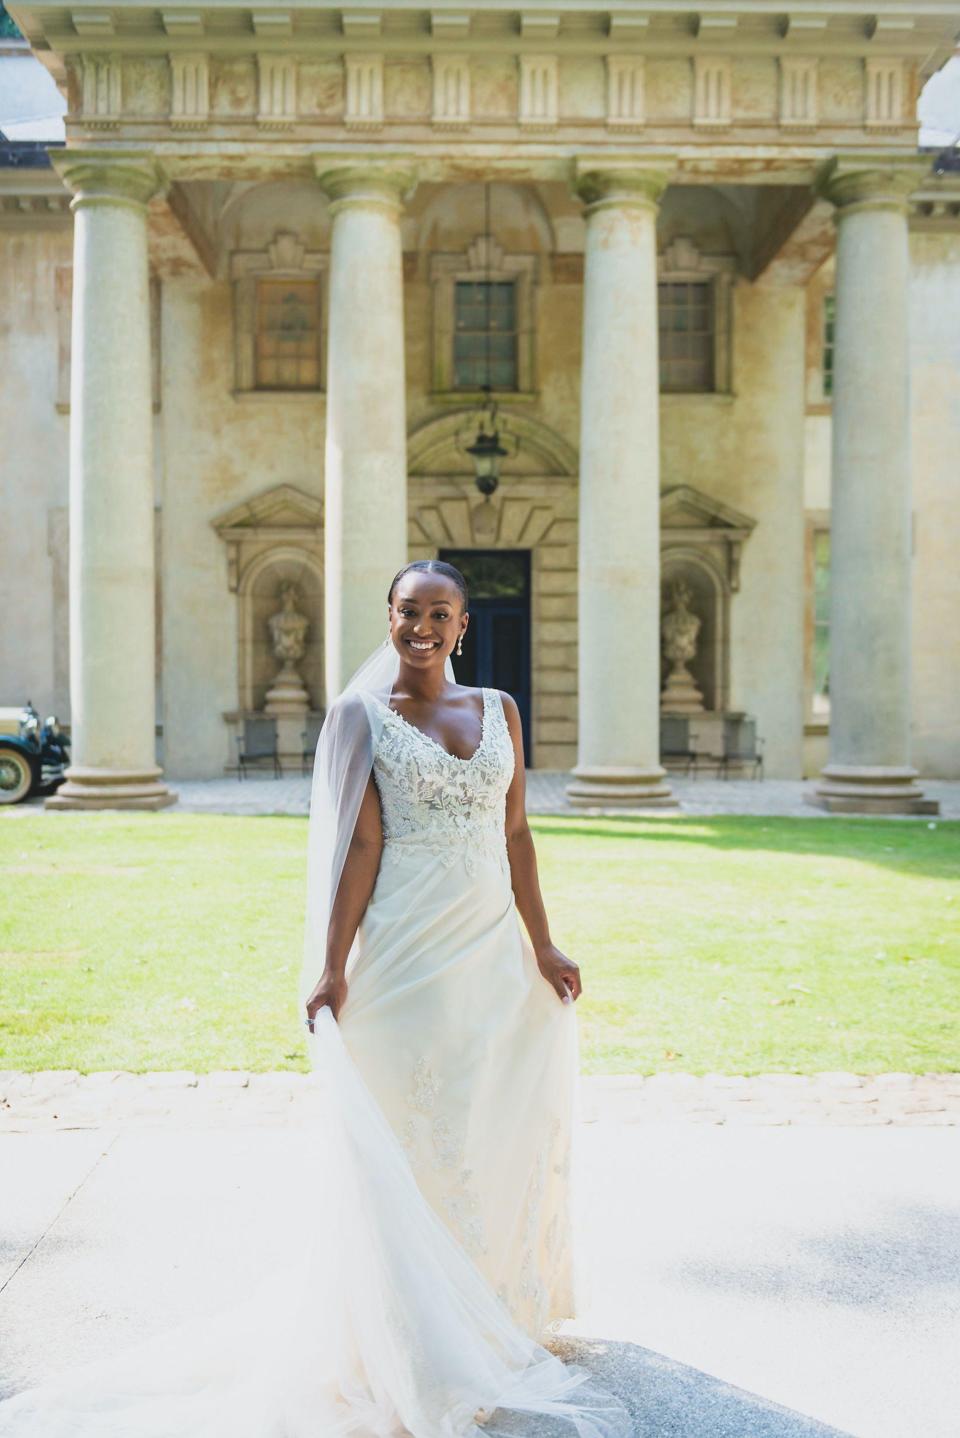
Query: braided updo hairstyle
433,566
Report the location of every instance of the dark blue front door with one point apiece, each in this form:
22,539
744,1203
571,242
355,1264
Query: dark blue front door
496,647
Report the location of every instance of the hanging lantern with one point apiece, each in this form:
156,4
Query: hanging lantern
486,451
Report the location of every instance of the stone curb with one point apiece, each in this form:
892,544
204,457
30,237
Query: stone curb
65,1098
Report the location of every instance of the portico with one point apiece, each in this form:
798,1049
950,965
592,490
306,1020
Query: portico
660,197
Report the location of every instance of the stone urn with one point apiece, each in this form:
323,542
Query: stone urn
679,630
288,636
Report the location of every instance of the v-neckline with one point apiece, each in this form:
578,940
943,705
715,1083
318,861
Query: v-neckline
457,758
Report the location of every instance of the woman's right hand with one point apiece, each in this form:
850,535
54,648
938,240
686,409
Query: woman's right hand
330,992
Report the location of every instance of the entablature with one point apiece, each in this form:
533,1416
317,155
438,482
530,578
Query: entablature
676,73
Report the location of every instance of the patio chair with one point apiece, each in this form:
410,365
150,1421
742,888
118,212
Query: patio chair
257,742
677,742
742,747
310,735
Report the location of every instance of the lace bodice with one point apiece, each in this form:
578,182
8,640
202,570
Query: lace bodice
433,800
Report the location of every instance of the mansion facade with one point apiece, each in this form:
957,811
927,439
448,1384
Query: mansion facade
645,316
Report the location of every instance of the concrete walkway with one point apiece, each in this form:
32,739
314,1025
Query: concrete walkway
740,1280
65,1099
545,795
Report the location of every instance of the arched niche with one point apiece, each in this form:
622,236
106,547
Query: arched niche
260,596
273,539
710,602
701,540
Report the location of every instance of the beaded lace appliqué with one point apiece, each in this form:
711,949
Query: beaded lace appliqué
430,1136
452,807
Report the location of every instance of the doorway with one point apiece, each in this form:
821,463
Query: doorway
496,646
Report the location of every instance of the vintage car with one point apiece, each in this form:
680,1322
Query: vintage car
33,756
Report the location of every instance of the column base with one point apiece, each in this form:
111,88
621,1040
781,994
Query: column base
111,789
869,789
598,787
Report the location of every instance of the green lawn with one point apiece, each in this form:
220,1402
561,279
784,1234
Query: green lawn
737,945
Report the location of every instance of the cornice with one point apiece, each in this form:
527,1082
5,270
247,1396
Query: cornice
33,200
935,204
925,30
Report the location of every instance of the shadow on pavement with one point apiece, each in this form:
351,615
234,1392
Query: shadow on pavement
910,1248
667,1399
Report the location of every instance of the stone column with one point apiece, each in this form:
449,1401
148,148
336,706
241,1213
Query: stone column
365,480
869,770
618,756
112,622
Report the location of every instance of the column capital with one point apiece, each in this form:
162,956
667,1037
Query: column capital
875,182
602,180
387,180
109,177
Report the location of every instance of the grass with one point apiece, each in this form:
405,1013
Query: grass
730,944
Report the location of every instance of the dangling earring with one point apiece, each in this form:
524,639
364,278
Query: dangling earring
460,643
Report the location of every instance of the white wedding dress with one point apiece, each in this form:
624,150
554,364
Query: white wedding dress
442,1253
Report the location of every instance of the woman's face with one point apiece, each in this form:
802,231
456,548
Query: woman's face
426,617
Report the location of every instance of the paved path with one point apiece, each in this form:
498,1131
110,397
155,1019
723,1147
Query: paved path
545,795
736,1281
65,1099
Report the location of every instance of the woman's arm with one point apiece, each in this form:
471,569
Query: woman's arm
359,875
559,971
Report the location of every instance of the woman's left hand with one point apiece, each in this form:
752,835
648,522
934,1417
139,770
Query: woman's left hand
560,972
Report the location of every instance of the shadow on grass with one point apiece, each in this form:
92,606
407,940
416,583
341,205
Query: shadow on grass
910,848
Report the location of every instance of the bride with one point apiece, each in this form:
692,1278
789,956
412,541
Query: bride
443,1043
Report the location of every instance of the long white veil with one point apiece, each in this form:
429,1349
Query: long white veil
341,768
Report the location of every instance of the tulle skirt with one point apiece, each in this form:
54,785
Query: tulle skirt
441,1254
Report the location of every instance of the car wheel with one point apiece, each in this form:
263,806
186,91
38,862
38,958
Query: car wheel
16,776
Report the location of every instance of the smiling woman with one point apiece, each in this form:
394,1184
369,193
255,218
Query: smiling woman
428,608
445,1041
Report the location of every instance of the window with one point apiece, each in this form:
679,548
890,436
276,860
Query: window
820,699
829,314
485,334
287,338
686,323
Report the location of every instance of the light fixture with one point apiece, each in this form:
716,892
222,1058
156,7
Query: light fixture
486,450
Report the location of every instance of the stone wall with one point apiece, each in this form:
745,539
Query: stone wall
935,382
746,449
33,472
217,451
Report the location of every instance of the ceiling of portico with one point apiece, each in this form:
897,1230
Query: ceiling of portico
746,224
